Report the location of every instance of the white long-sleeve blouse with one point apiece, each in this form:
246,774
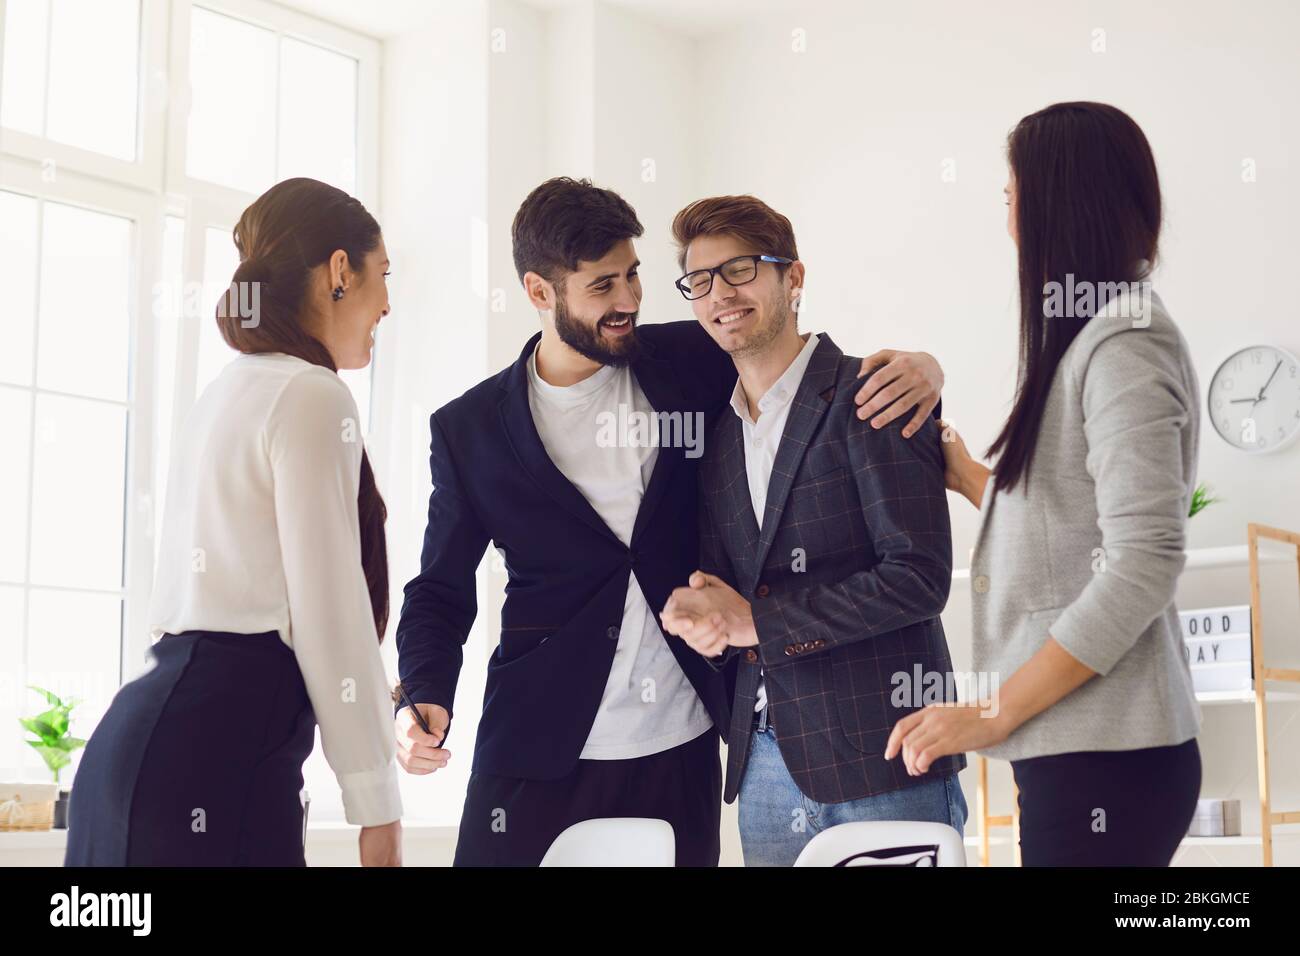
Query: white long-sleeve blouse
261,533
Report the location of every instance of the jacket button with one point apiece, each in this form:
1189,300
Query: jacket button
751,657
981,584
612,633
763,590
790,651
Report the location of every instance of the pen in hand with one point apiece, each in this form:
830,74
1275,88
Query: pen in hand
419,717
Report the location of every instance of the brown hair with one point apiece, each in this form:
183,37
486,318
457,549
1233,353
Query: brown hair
567,221
745,217
288,231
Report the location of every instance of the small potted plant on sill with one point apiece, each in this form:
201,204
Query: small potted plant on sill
1201,499
55,744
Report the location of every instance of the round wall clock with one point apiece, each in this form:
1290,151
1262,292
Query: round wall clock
1254,398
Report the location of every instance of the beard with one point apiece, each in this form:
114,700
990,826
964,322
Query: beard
587,340
779,315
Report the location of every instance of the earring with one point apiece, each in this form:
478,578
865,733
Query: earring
338,292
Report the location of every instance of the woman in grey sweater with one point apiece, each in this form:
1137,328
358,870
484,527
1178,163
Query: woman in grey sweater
1082,516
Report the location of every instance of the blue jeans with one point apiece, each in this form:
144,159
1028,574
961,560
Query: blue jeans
777,820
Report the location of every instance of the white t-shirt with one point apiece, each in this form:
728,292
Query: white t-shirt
648,705
261,534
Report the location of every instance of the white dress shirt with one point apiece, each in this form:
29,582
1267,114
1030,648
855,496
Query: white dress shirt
648,704
261,534
763,438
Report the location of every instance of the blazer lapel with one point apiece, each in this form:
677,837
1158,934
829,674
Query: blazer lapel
517,420
657,379
811,400
734,495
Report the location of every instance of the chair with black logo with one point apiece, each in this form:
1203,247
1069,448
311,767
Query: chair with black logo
885,843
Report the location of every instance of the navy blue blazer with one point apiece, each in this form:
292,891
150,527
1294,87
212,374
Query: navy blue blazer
568,573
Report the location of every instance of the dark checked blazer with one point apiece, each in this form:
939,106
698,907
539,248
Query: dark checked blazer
568,572
846,581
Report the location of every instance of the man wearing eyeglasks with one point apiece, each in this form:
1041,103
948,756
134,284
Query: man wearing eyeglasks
826,556
588,711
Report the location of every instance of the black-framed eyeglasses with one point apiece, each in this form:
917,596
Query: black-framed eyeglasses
737,271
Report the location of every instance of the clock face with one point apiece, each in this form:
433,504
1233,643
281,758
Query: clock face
1254,399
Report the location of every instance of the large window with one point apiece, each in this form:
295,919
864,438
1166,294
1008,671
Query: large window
117,199
48,45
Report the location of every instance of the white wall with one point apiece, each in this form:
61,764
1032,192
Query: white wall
850,139
433,209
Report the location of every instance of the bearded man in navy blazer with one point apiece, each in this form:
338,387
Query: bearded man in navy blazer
578,463
826,556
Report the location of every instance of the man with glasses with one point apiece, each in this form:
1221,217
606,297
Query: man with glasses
589,711
826,556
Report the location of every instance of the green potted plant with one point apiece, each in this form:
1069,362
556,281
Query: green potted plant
1201,500
55,744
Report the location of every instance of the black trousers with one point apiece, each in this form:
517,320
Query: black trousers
1107,808
198,762
509,821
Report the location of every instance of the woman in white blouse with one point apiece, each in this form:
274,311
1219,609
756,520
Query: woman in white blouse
271,594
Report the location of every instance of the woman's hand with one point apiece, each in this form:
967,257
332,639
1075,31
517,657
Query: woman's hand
381,845
961,473
943,729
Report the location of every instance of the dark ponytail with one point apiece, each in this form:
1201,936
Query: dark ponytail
293,227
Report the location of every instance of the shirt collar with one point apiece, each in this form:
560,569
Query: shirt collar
782,391
568,394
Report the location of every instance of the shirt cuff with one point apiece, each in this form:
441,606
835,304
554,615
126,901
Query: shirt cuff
717,663
371,797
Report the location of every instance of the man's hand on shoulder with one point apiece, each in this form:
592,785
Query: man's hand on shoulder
899,383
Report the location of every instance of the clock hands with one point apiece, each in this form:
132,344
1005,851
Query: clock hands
1270,380
1260,397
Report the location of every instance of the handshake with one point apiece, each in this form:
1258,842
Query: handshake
709,616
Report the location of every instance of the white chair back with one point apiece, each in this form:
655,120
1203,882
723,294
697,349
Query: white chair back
885,843
614,841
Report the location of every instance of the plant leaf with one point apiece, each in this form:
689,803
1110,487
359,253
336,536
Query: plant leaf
50,698
54,758
57,718
40,728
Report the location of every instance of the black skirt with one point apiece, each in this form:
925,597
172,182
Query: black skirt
198,762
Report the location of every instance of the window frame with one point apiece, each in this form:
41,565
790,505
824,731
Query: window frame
25,177
146,170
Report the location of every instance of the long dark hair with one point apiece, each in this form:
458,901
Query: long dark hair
1088,207
290,229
